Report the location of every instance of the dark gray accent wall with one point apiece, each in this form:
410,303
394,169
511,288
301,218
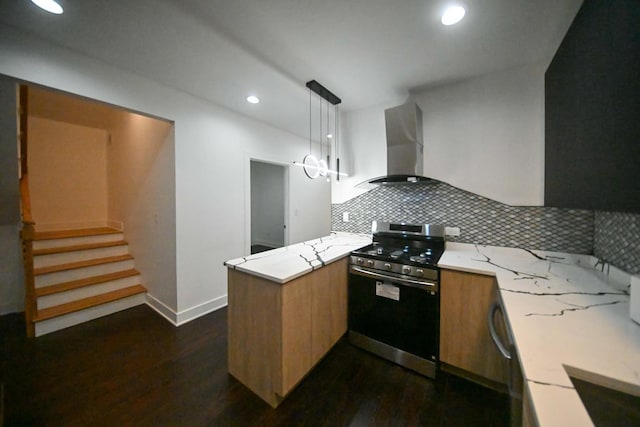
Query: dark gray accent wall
617,239
11,271
614,237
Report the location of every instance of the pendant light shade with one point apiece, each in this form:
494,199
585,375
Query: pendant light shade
313,166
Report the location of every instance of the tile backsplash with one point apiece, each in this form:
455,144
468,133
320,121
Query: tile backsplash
617,239
481,220
613,237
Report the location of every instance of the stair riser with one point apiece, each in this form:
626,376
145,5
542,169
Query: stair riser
87,291
70,241
84,255
81,273
71,319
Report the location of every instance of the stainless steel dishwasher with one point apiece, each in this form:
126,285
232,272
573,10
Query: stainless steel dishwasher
499,332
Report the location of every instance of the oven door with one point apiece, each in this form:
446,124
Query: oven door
402,314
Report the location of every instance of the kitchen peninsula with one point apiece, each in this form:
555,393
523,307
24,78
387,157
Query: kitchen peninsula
287,308
568,315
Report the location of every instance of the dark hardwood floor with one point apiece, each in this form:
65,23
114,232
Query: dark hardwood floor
255,249
134,368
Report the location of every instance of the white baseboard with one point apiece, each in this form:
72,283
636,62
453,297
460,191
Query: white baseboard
185,316
162,309
193,313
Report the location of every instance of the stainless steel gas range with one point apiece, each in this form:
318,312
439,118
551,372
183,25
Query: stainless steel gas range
394,304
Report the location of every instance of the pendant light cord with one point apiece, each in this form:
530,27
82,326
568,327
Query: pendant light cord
337,122
320,140
327,136
309,121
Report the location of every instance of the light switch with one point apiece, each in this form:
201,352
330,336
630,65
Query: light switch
345,216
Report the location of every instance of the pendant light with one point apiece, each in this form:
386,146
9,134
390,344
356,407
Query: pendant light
315,167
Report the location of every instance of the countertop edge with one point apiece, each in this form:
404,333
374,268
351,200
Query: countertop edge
288,263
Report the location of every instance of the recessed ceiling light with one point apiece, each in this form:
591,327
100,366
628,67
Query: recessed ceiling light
50,6
452,15
252,99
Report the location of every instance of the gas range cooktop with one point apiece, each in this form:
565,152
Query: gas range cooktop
405,254
404,249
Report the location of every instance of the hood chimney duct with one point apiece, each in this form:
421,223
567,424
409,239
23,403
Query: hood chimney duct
404,146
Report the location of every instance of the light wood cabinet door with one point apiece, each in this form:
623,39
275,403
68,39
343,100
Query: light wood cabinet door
328,307
278,332
296,333
254,327
314,317
465,342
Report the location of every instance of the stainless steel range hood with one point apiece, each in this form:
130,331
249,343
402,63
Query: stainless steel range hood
404,146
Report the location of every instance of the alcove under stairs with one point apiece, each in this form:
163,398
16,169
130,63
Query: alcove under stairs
81,275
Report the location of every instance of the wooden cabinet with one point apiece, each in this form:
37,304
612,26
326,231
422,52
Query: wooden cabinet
278,332
592,110
466,347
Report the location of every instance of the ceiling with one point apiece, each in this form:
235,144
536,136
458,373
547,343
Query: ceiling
368,52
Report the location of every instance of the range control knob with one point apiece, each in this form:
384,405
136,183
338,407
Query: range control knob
387,266
419,272
406,270
359,261
370,262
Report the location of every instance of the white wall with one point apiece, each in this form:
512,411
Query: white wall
310,210
363,151
67,175
11,270
484,135
212,148
267,204
141,188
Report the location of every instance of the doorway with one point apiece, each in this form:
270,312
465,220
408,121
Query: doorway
268,206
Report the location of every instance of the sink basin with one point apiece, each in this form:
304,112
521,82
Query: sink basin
605,400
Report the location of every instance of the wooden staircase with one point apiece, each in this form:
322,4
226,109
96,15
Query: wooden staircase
71,276
80,275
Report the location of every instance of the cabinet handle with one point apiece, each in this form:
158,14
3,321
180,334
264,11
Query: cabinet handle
494,334
413,283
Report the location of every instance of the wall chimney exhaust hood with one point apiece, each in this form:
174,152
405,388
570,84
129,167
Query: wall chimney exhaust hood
404,147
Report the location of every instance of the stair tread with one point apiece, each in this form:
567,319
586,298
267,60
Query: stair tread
80,264
74,248
80,232
94,280
84,303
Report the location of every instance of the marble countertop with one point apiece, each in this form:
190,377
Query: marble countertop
567,313
287,263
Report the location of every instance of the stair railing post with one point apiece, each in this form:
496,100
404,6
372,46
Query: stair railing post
30,304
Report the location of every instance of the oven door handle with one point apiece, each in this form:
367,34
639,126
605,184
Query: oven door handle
413,283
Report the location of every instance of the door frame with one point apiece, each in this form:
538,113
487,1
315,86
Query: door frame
247,198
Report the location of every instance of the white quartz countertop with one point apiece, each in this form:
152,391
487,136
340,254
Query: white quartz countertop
287,263
567,313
